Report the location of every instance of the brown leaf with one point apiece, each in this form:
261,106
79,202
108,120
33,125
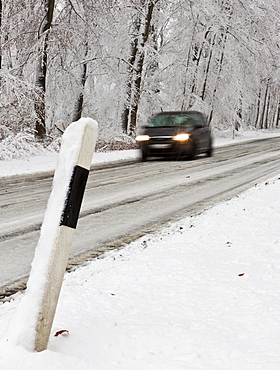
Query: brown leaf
62,332
242,274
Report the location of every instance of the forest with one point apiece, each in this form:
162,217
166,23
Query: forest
120,61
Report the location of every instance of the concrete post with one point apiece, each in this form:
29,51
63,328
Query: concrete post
63,241
32,322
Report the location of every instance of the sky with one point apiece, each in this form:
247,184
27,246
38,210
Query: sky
200,293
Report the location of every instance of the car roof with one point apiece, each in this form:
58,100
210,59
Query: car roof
179,112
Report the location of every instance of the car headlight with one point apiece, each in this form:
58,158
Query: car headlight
142,138
181,137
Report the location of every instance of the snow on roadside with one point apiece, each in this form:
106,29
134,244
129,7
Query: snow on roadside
202,293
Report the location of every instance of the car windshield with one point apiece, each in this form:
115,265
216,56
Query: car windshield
174,119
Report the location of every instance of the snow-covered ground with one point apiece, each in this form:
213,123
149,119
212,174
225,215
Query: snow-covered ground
202,293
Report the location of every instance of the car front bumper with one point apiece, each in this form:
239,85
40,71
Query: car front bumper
167,148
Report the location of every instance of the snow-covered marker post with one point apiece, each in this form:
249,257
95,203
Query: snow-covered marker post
31,325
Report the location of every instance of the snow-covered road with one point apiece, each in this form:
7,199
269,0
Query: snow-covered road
124,202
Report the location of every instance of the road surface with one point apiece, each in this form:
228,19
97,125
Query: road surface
124,202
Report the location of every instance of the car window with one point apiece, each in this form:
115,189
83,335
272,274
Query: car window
204,120
177,119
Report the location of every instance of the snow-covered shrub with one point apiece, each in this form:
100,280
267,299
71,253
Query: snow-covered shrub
17,103
122,142
21,145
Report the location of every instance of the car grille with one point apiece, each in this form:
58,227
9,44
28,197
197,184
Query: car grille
160,143
160,138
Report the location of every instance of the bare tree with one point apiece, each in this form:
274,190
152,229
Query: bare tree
42,64
78,108
142,26
120,60
134,44
0,35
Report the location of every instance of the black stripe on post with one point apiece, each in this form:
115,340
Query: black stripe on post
74,197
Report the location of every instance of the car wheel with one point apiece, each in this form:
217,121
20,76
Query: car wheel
175,156
144,155
193,151
209,152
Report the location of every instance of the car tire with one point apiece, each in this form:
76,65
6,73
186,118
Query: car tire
209,152
175,157
144,156
193,151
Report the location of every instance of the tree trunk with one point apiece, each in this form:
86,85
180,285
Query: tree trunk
262,116
135,75
80,101
185,94
220,66
207,69
196,58
0,35
41,71
226,7
131,63
139,71
266,116
277,117
258,109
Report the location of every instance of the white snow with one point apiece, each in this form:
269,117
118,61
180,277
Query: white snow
202,293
